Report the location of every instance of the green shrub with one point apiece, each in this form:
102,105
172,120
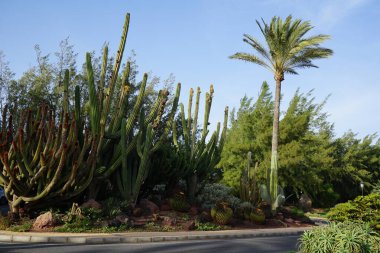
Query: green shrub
23,225
213,194
206,226
5,223
376,188
363,208
340,237
296,212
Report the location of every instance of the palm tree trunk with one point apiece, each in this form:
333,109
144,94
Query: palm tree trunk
273,186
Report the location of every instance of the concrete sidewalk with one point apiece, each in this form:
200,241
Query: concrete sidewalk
142,237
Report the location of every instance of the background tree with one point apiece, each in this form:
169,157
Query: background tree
288,49
6,75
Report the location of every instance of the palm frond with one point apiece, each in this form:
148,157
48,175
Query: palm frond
251,58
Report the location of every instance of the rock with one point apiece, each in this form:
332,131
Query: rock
144,203
169,221
289,220
114,223
276,223
280,216
189,225
137,212
193,210
205,216
305,202
165,207
91,203
156,217
43,221
124,219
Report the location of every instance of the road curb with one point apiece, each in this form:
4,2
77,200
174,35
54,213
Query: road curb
146,238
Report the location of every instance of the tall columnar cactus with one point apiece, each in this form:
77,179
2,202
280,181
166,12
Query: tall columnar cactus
249,191
201,156
44,162
124,134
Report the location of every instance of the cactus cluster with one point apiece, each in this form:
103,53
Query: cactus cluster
201,156
179,203
221,213
45,161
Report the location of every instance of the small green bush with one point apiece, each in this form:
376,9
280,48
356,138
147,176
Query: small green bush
363,208
296,212
5,223
207,226
376,188
24,225
340,237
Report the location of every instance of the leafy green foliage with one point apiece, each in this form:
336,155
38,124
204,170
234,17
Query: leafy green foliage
207,226
340,237
363,208
5,223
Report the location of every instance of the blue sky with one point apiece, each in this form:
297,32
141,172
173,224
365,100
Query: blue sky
193,39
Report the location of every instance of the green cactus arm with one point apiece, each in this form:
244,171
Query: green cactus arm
185,130
116,164
137,107
94,103
125,178
71,179
174,130
123,101
170,121
144,163
102,79
195,121
189,107
19,159
224,131
66,91
77,114
115,71
207,110
49,187
50,134
153,111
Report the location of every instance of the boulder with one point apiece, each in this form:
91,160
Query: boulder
92,203
124,219
189,225
137,212
289,220
193,210
275,223
43,221
169,221
147,204
165,207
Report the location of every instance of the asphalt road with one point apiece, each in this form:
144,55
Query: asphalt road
256,245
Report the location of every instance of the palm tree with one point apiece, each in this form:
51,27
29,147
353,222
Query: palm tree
288,49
